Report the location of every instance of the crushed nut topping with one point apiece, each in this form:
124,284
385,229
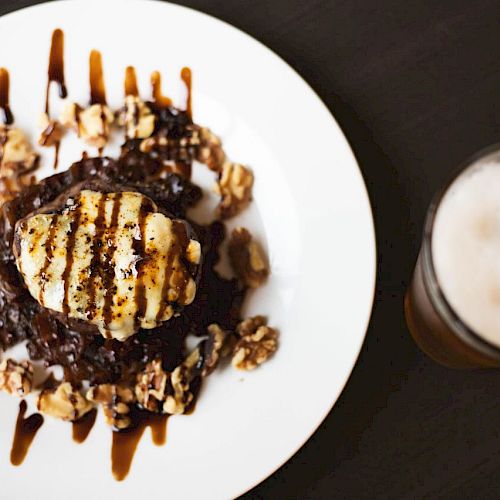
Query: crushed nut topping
210,151
179,395
247,258
92,124
201,144
115,401
17,161
63,402
16,377
183,149
177,402
52,131
235,187
150,387
256,344
157,390
16,152
137,118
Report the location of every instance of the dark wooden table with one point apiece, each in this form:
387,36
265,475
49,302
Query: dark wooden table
415,86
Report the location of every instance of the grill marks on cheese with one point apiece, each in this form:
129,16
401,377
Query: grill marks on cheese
110,259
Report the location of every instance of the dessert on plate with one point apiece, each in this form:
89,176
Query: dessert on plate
104,274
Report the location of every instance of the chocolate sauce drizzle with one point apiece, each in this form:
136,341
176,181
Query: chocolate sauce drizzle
139,248
187,79
96,79
83,426
97,246
55,74
97,87
158,98
56,68
125,442
7,116
49,251
26,429
70,245
130,84
109,269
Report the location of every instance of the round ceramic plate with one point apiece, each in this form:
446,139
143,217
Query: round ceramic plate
310,211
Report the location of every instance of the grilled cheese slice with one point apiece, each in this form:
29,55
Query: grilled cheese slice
110,259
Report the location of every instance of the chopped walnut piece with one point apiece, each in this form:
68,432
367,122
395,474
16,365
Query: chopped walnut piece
210,151
115,401
64,401
256,344
17,160
176,403
247,258
180,396
150,387
16,153
92,124
52,131
212,348
16,378
172,148
137,118
235,187
158,390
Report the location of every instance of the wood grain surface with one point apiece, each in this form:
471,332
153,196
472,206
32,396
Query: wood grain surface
415,86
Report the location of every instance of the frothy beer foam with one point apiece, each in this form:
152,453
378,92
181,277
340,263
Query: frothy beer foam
466,247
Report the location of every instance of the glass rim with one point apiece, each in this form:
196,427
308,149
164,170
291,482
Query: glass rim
430,281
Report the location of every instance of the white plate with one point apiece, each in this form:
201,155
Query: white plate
311,211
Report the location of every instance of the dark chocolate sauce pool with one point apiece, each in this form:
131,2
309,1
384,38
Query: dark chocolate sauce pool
7,116
26,429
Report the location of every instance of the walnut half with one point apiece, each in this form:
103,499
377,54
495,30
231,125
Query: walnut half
92,124
256,344
247,258
16,378
180,396
115,401
210,150
235,187
65,402
137,118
